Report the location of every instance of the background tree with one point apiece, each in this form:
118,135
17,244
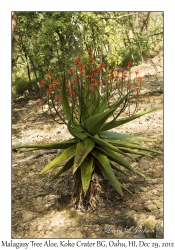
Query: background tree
44,41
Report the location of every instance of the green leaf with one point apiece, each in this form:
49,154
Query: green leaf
130,151
104,101
130,145
82,150
104,143
75,131
66,167
114,124
120,160
104,162
118,136
116,150
86,172
57,145
66,155
65,102
94,123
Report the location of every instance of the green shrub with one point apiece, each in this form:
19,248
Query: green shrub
22,85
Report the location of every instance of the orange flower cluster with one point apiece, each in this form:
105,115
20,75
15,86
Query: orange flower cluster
41,84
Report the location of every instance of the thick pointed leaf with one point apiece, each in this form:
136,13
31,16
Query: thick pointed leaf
66,167
82,150
86,172
130,145
103,143
75,131
114,124
121,152
85,111
130,151
103,103
55,145
119,136
96,100
114,156
105,99
119,170
66,155
65,102
93,124
104,162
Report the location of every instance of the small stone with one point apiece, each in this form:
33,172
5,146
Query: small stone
149,228
130,213
142,189
19,229
26,215
40,227
19,173
136,207
136,191
39,201
159,204
151,217
159,230
126,197
117,212
151,207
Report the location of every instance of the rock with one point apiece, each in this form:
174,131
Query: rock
151,217
59,234
76,234
14,221
126,197
149,228
19,229
142,189
159,204
136,191
117,212
19,173
26,215
139,236
130,213
136,207
40,227
151,207
159,230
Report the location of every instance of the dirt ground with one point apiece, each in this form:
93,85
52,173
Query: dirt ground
44,210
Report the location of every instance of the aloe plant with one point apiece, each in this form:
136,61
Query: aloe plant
81,99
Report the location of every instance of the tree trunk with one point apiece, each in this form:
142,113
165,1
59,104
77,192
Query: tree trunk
14,22
86,200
